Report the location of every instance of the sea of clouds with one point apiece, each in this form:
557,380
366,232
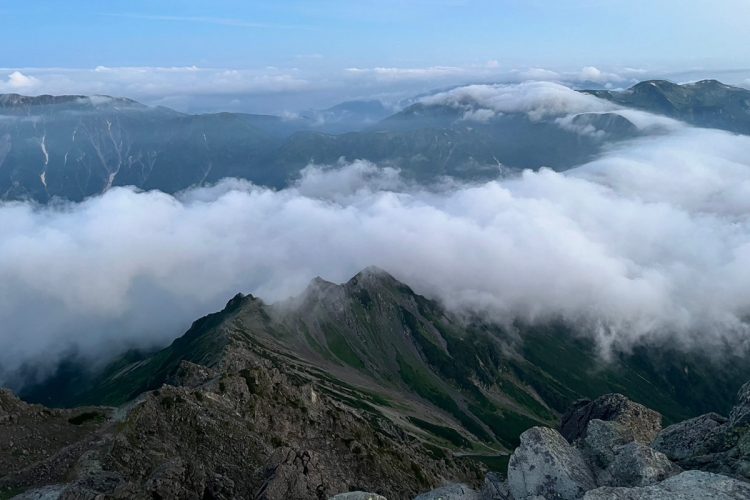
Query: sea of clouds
649,241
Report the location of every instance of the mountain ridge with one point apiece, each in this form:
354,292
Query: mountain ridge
63,148
360,385
706,103
377,331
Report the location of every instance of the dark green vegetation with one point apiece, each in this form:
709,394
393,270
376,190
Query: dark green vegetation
496,463
708,103
375,346
6,494
87,417
678,384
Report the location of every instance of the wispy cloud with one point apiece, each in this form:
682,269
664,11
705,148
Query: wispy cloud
17,82
307,83
220,21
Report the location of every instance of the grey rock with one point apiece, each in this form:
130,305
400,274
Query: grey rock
450,492
641,423
694,437
601,440
191,375
546,465
636,464
740,414
357,495
45,493
690,485
711,442
495,488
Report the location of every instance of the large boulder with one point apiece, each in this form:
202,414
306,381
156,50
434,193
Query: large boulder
695,437
357,495
546,465
689,485
53,492
636,464
740,414
711,442
601,441
638,422
450,492
617,460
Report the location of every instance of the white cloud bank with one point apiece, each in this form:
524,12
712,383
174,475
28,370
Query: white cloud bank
537,99
16,82
651,240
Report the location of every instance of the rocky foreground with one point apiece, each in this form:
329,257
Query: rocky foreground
608,448
613,448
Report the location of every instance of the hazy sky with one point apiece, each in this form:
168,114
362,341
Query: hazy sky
303,47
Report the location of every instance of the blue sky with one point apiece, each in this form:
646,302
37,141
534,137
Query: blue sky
318,41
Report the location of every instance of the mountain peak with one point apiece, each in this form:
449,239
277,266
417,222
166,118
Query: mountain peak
705,103
374,277
320,291
649,85
373,271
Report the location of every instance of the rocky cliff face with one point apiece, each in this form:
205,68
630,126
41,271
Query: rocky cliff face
256,429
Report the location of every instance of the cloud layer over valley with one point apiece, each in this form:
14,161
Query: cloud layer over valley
650,240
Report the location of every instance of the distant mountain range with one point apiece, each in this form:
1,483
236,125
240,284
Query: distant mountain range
377,387
707,103
73,147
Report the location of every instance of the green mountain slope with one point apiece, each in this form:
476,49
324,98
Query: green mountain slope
375,345
707,103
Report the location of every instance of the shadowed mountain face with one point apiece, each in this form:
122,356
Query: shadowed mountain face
708,103
73,147
427,142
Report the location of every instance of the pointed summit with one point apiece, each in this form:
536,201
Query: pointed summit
373,276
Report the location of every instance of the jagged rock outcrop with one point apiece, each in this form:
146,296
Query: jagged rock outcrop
636,464
600,442
636,422
38,444
616,459
695,437
546,465
493,488
740,414
609,456
357,495
711,442
689,485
